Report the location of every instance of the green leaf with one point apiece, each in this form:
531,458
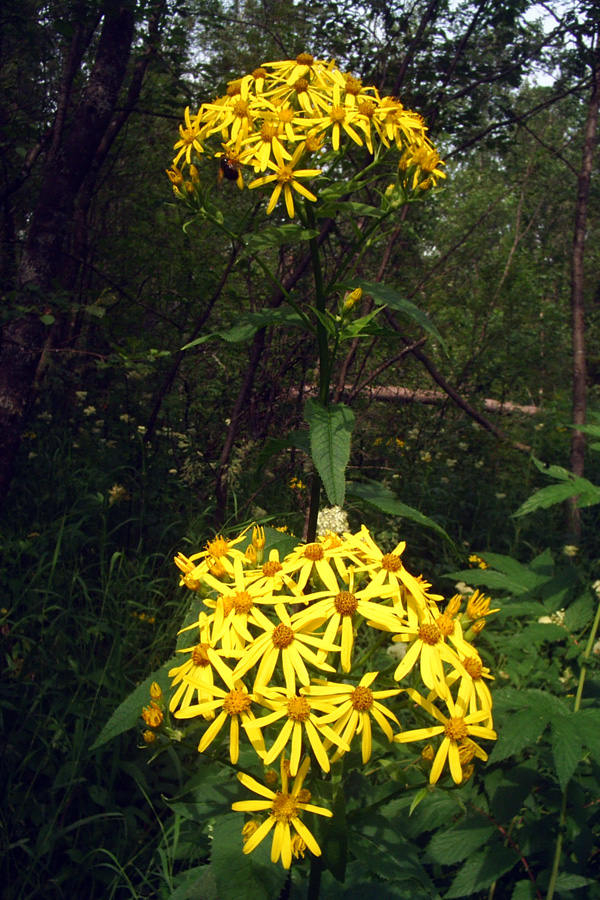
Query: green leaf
568,882
247,325
586,724
385,500
519,730
524,890
579,613
383,850
384,295
515,570
588,493
490,579
198,883
566,749
47,319
241,877
278,236
127,714
328,210
455,844
330,433
481,870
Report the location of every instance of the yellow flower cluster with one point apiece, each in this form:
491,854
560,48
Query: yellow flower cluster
283,113
275,659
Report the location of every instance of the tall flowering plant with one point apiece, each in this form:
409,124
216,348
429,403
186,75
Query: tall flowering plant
284,673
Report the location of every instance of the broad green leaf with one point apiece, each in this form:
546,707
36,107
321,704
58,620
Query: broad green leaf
198,883
524,890
490,579
579,613
515,570
330,433
539,633
384,295
241,877
570,882
383,499
481,870
127,714
586,724
545,497
566,749
383,850
248,324
455,844
557,472
518,730
278,236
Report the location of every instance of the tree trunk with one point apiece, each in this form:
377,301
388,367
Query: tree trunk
577,298
40,270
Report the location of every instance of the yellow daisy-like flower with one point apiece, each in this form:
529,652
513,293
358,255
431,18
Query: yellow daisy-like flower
235,607
189,140
283,808
355,706
456,730
478,605
291,641
340,609
321,557
286,177
235,704
195,675
384,567
427,645
301,722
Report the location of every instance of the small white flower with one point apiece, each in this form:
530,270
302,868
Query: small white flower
81,396
462,588
89,411
570,550
332,519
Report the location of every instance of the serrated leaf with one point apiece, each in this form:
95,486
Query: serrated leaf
569,486
481,870
524,890
241,877
455,844
198,883
127,714
514,570
579,613
330,433
570,882
518,731
586,724
278,236
566,749
383,499
490,579
383,850
385,295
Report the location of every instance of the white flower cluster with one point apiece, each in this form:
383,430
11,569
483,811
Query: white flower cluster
332,520
557,618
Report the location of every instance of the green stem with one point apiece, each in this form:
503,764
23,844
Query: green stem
314,881
324,364
563,810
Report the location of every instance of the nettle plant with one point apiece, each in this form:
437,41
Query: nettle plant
323,673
